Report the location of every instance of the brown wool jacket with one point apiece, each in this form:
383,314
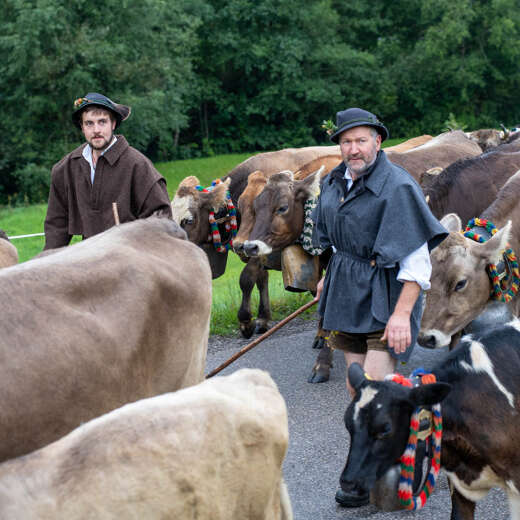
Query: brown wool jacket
78,207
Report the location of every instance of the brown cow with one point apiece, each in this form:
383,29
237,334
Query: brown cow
468,186
8,252
118,317
440,151
212,451
488,138
460,284
191,211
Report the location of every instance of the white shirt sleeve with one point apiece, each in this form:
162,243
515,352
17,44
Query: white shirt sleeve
416,267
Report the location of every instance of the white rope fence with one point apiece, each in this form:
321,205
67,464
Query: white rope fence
27,236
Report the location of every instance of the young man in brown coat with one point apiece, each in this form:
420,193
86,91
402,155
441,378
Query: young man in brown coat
104,170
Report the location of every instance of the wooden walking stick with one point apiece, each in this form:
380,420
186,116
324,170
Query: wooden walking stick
116,213
254,343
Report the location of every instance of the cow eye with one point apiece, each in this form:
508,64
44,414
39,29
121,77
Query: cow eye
384,431
282,209
460,285
187,222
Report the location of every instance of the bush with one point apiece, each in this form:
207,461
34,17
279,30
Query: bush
33,183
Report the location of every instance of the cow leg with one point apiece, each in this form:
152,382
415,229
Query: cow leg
248,278
514,505
319,339
264,307
321,369
461,507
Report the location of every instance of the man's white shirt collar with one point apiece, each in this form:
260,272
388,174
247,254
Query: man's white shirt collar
87,154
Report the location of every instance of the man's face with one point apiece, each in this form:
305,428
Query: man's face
359,148
98,128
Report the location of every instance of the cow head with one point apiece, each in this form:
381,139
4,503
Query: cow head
460,285
256,182
488,138
279,212
191,208
378,421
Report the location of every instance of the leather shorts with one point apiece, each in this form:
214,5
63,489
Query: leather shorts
357,343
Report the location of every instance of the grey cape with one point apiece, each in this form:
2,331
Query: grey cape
380,221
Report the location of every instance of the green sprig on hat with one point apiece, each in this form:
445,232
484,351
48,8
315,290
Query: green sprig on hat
329,126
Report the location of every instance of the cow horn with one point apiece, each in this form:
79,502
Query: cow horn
356,376
506,131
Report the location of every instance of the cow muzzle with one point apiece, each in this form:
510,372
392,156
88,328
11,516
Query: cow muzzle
433,338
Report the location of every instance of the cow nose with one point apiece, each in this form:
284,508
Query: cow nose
427,340
251,249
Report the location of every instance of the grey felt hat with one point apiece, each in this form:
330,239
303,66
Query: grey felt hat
353,117
121,112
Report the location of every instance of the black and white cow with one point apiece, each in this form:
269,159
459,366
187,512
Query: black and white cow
479,387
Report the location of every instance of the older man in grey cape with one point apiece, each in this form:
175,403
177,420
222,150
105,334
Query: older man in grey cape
374,216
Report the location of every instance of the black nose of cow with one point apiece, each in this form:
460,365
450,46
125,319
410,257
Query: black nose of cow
251,249
427,341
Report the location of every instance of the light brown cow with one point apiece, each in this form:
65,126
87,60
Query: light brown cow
414,142
118,317
8,252
440,151
212,452
460,284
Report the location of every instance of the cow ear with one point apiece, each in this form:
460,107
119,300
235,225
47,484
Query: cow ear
356,376
492,249
309,187
452,222
189,182
217,196
426,395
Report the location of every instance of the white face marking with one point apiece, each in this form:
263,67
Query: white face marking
511,486
481,363
441,339
515,323
263,248
181,208
367,395
479,487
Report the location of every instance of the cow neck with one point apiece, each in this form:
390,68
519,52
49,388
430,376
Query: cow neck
504,276
432,435
228,221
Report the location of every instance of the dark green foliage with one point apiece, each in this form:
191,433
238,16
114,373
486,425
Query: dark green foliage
205,77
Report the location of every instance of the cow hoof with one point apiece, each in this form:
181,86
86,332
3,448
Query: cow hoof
318,342
247,329
261,328
354,498
319,374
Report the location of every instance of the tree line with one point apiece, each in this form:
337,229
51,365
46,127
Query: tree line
212,76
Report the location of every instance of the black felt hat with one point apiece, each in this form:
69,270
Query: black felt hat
353,117
121,112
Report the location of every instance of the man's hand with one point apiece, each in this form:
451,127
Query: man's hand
398,332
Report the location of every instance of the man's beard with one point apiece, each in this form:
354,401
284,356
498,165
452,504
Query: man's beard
105,144
363,169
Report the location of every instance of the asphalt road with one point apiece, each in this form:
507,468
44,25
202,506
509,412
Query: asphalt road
318,441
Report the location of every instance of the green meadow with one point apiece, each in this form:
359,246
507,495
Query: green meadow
227,296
